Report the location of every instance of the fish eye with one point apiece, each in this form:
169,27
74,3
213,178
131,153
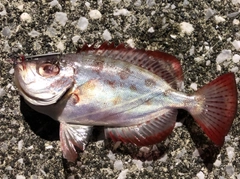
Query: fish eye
48,70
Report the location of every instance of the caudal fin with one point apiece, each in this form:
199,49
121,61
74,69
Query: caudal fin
219,107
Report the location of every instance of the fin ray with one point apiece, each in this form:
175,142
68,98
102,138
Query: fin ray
148,133
219,108
73,135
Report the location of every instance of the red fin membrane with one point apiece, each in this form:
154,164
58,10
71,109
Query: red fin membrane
148,133
219,108
73,135
162,64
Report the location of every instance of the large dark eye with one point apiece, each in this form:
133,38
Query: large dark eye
48,70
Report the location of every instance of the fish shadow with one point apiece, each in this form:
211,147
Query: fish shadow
207,150
42,125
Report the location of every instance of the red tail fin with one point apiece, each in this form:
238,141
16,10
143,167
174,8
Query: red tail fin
219,107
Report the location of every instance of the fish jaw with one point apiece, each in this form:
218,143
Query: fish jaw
38,89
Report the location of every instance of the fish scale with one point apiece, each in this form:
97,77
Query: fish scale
133,93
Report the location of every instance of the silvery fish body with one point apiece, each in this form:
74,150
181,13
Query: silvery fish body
133,93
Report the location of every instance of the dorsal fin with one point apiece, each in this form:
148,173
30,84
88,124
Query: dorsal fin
162,64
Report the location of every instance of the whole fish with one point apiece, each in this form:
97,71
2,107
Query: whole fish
133,93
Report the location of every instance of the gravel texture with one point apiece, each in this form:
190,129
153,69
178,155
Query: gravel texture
204,35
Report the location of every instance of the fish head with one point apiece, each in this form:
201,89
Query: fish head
43,81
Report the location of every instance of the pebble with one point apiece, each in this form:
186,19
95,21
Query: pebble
151,30
123,12
230,153
6,31
26,17
200,175
224,55
106,35
2,92
186,28
236,44
138,163
34,33
118,165
20,177
75,39
123,174
60,46
3,12
95,14
20,145
236,58
193,86
61,18
229,170
82,23
219,19
150,3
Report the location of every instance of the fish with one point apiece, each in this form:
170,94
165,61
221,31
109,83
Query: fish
133,93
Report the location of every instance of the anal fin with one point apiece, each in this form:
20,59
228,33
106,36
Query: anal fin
147,133
72,135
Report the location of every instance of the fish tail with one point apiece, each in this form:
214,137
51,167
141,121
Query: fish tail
216,107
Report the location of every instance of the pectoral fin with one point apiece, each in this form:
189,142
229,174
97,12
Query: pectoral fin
147,133
71,136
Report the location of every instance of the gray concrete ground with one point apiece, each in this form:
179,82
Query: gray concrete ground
204,35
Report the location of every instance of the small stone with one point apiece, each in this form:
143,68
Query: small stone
138,163
111,156
208,62
55,3
20,144
20,177
218,19
123,174
150,3
3,12
6,31
138,3
151,30
217,163
95,14
61,18
118,165
186,28
34,33
234,69
82,23
11,71
236,44
26,17
131,43
194,86
230,170
106,35
236,58
75,39
236,22
123,12
209,13
224,55
200,175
